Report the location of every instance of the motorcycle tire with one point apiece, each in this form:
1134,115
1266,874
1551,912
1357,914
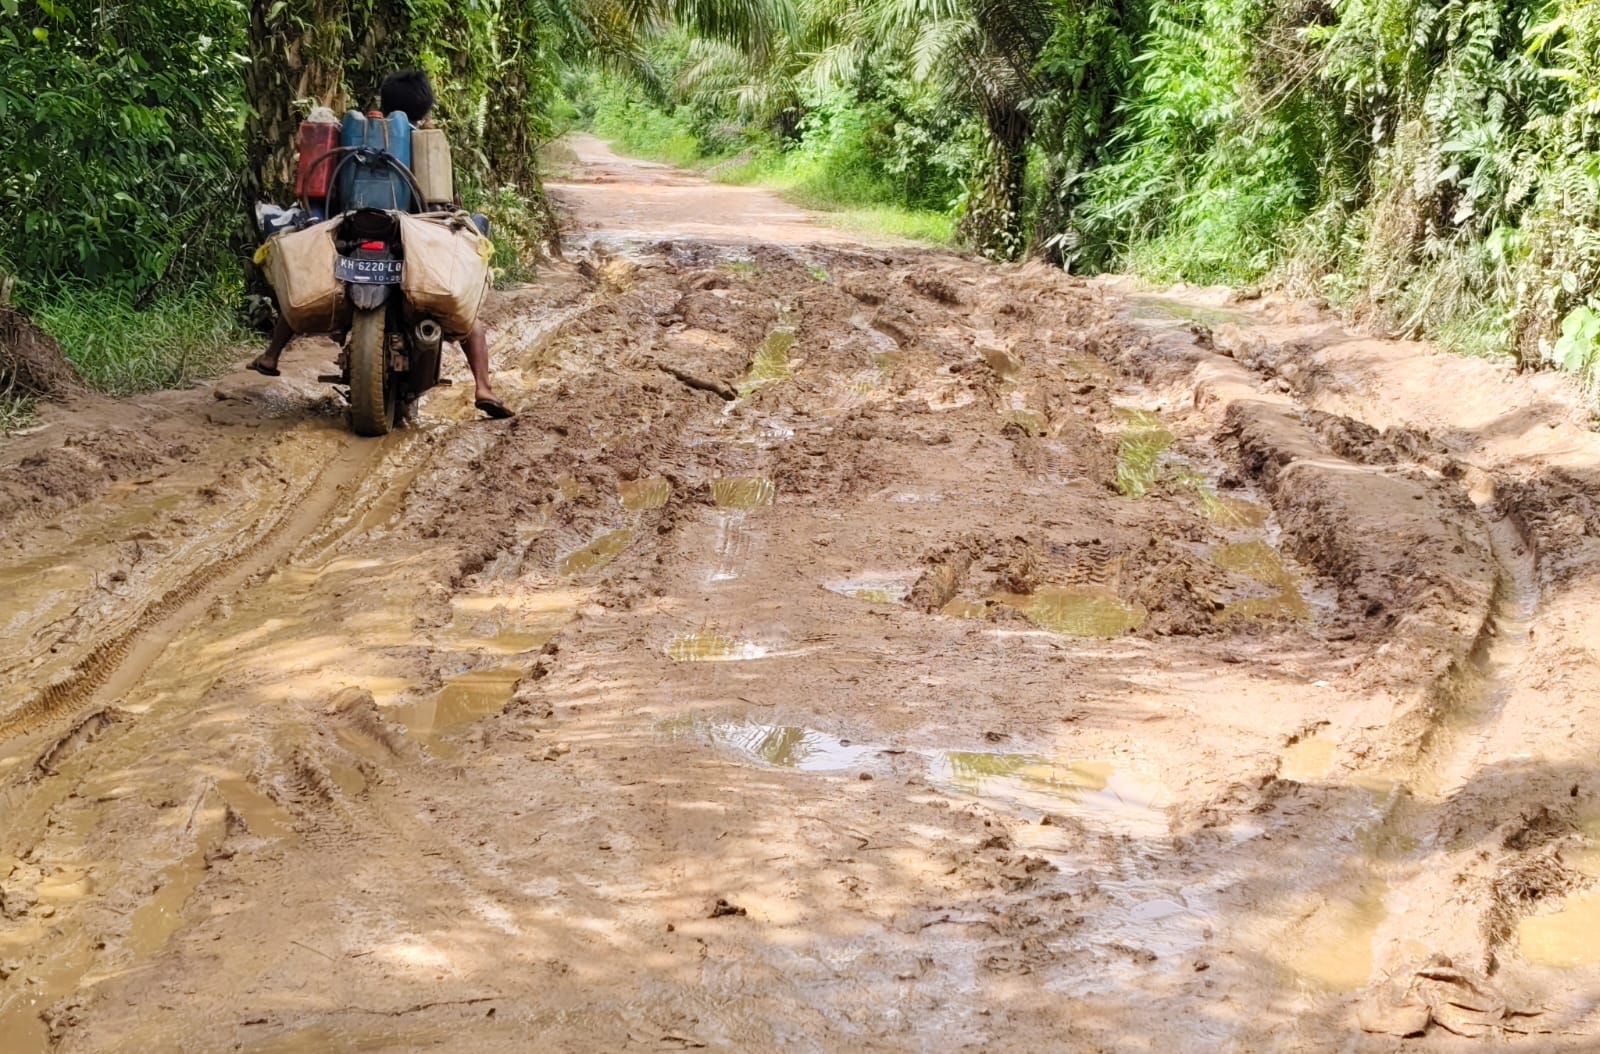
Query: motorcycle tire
373,399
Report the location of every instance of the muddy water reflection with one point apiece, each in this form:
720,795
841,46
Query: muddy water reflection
1031,422
788,747
463,700
1080,611
1567,938
1309,760
744,493
709,646
1100,791
1144,440
771,361
643,495
1261,562
1104,793
597,553
874,589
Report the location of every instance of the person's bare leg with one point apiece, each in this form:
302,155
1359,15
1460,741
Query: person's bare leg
267,361
476,347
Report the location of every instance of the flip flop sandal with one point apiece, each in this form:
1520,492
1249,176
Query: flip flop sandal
265,371
496,409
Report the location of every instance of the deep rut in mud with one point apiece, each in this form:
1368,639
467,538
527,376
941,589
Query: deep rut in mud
847,648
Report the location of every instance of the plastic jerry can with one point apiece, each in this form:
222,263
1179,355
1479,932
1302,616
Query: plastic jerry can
375,184
431,164
319,138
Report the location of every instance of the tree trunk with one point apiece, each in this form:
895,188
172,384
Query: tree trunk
993,222
296,62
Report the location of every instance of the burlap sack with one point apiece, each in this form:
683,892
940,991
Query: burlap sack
447,270
299,266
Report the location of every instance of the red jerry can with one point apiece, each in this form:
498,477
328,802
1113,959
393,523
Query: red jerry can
319,138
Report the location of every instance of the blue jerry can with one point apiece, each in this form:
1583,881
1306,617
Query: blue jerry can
375,185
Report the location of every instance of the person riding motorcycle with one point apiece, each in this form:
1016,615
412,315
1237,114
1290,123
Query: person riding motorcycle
408,92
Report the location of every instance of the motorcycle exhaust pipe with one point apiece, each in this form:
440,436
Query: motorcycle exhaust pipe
428,336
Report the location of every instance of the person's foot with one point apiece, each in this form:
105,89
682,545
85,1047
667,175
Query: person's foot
496,409
265,369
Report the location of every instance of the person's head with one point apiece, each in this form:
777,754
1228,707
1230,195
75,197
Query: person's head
409,92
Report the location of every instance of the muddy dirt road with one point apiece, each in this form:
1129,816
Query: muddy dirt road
850,648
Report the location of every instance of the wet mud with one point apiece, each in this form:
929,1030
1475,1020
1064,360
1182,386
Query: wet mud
848,647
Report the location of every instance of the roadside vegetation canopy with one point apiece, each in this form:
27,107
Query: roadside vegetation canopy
1430,166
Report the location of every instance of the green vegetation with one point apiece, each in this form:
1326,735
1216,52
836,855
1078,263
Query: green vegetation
120,346
16,411
1431,166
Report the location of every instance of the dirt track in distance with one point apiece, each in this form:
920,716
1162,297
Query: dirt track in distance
849,648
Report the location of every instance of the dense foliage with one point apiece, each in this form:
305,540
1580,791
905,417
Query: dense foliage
122,133
1430,164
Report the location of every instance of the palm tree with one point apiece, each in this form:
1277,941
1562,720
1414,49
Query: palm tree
981,54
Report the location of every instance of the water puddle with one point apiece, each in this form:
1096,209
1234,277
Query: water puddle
1567,938
1333,949
709,646
1079,611
643,495
1308,760
744,493
1262,563
463,700
1144,440
874,589
1104,793
598,553
964,608
786,747
1097,791
771,361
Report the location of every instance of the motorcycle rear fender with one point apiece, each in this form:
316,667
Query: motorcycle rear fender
366,297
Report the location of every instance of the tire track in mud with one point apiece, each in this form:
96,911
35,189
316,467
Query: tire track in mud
1408,891
116,664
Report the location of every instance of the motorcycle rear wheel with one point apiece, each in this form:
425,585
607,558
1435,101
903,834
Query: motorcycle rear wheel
373,399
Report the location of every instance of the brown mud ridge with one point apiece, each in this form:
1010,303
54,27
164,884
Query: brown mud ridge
846,649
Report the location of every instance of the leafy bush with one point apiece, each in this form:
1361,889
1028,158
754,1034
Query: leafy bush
121,156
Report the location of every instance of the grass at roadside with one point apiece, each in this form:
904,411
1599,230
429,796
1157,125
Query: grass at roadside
16,411
122,348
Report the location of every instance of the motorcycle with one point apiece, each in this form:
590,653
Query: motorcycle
339,264
387,363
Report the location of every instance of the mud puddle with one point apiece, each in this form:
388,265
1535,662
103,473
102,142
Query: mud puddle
1107,794
744,493
597,554
772,360
710,646
644,495
875,588
1077,611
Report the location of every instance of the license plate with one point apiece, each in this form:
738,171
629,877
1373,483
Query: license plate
368,272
